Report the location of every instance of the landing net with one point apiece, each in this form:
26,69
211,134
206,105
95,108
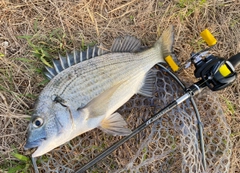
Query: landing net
171,144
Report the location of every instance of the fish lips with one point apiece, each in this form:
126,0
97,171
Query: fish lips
33,144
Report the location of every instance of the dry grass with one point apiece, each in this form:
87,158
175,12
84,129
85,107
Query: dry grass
57,26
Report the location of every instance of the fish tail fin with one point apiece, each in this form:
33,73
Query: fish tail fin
165,43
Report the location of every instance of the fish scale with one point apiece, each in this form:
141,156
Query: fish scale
84,96
68,87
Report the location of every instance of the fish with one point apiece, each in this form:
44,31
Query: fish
86,89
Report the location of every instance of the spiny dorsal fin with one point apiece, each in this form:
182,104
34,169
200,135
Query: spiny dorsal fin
57,65
51,72
63,62
126,44
120,44
72,59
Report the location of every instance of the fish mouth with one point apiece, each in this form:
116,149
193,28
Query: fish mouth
33,144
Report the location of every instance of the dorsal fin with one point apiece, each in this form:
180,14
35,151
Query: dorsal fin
63,62
120,44
57,65
72,59
126,44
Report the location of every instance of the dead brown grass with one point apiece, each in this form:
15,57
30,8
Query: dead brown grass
101,21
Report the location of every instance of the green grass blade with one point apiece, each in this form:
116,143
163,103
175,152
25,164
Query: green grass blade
21,157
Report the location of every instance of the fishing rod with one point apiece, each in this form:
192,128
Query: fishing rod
214,72
213,82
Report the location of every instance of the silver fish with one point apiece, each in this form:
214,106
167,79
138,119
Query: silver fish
86,89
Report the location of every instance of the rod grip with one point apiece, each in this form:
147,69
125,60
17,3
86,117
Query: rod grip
235,60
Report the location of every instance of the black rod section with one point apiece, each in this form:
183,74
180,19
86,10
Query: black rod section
163,111
123,140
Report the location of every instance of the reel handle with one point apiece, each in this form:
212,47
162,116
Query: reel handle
235,60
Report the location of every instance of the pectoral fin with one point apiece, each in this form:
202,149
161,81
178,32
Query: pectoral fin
99,105
114,125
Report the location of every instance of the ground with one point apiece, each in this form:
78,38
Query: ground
33,32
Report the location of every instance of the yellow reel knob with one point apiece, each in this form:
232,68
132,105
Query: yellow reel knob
208,37
172,63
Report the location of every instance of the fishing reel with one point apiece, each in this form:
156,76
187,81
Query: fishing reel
215,73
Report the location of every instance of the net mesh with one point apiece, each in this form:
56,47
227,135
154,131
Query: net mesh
171,144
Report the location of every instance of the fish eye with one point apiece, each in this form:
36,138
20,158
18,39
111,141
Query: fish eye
38,122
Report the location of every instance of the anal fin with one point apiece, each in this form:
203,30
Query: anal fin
149,82
114,125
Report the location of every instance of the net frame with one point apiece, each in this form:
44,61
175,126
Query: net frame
146,157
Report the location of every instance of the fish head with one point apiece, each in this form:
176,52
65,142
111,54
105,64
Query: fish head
48,128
